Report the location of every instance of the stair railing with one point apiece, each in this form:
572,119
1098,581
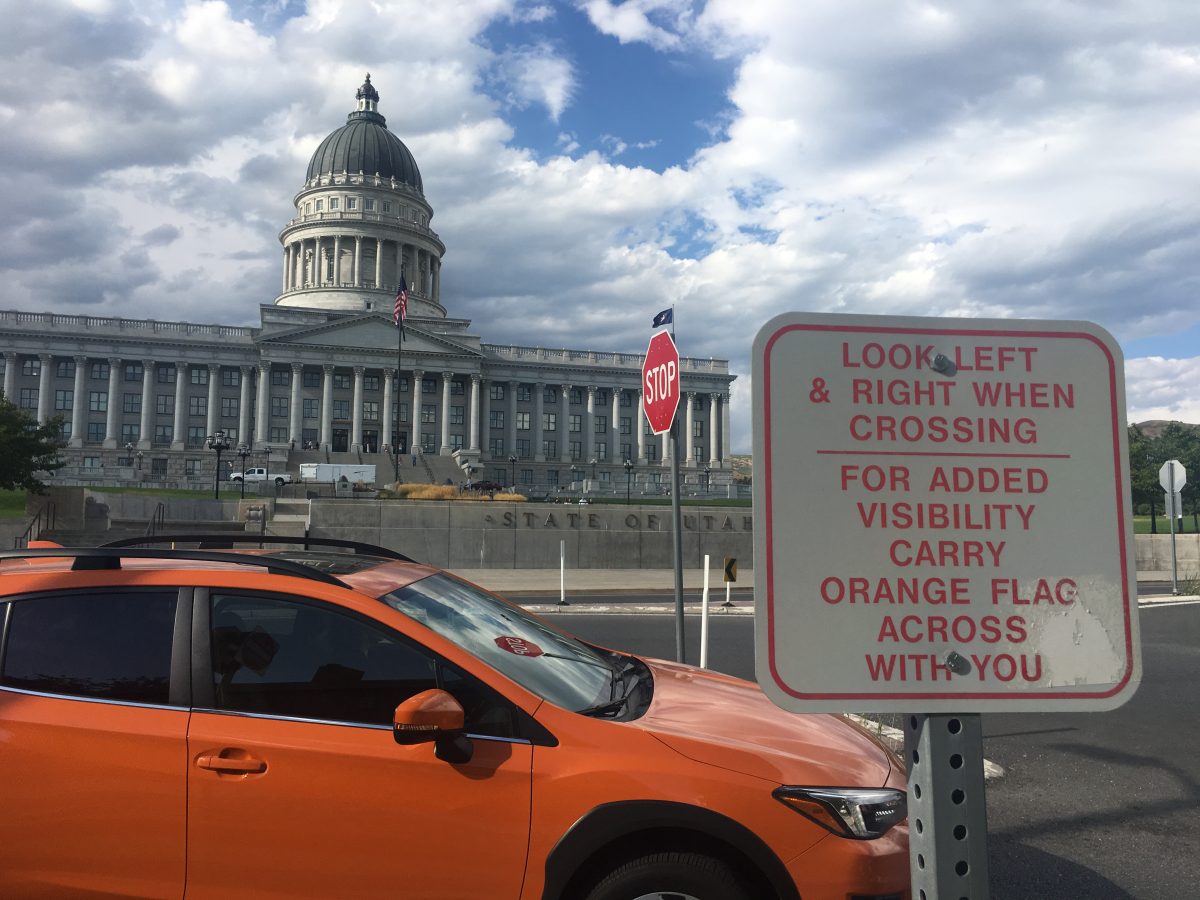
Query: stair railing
158,519
43,520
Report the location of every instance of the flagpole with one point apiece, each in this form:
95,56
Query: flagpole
396,393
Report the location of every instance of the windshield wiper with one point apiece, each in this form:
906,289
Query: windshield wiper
616,701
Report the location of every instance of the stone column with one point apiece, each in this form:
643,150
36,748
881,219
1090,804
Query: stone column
589,427
145,427
539,410
179,423
485,404
214,383
712,431
512,417
10,375
386,426
726,437
564,426
297,268
614,429
294,409
639,426
689,453
437,280
378,263
244,436
399,263
356,415
79,403
317,275
263,412
326,411
445,449
45,404
287,259
414,442
474,410
337,259
111,432
358,261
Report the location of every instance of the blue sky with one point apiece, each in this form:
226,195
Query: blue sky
592,161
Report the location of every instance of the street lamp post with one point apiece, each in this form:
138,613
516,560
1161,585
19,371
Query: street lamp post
138,459
243,451
628,477
707,479
512,461
218,443
574,475
593,468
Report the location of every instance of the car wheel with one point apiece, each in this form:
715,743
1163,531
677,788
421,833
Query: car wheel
670,876
279,482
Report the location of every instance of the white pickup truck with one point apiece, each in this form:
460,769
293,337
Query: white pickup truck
253,475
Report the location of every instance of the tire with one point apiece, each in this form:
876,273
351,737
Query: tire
671,876
279,482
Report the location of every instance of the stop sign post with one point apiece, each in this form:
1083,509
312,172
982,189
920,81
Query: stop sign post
660,382
660,400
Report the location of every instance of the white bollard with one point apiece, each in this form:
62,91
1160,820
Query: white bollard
704,619
562,574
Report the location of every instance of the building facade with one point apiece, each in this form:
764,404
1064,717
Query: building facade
323,377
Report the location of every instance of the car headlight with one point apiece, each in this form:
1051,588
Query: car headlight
862,814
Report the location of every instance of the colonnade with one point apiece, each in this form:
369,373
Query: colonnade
260,423
307,264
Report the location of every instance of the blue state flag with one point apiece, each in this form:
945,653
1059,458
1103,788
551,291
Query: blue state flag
666,317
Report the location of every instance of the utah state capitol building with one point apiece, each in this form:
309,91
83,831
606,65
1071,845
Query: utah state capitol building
318,379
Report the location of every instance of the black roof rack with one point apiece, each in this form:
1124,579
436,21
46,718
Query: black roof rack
226,541
110,558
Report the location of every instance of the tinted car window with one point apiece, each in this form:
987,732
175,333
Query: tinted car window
111,645
276,656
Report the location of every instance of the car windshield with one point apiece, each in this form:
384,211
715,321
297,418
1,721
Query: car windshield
552,665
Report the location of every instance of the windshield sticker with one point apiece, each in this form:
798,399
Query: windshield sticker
518,646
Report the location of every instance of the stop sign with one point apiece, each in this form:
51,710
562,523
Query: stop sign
660,382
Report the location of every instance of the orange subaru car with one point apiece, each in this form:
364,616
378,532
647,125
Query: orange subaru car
338,721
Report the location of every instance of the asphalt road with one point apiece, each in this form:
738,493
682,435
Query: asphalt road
1092,806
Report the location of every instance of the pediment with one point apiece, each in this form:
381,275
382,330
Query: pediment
370,332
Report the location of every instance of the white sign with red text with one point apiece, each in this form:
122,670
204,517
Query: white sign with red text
942,518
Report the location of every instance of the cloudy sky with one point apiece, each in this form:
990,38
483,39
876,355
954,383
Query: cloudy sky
593,161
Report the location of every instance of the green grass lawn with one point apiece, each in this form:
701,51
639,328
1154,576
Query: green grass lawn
1186,525
12,504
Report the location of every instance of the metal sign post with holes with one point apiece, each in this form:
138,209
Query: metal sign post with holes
945,531
660,392
1173,476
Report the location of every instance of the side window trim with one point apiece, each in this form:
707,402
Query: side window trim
181,651
4,619
203,695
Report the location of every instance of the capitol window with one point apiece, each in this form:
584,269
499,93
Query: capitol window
333,203
369,204
351,203
387,206
320,205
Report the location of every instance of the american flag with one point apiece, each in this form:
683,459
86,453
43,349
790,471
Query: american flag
400,311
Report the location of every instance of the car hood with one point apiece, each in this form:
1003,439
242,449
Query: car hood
727,722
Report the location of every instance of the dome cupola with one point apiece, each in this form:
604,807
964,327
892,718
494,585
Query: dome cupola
365,146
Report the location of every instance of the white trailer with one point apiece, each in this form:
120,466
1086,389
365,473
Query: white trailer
328,473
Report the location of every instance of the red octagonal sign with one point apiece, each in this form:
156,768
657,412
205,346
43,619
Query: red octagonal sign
660,382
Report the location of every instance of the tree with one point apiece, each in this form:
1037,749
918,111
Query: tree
27,448
1182,442
1143,473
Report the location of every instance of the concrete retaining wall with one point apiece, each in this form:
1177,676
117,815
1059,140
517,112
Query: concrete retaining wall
518,535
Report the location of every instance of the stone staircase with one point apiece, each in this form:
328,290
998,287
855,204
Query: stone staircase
291,518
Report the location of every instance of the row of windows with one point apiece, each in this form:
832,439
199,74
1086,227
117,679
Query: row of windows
350,203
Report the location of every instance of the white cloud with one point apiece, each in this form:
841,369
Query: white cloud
537,74
637,21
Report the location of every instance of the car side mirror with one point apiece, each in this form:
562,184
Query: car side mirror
433,715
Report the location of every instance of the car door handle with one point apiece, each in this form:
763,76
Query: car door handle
225,764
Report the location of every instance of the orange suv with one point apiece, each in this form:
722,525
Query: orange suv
338,721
